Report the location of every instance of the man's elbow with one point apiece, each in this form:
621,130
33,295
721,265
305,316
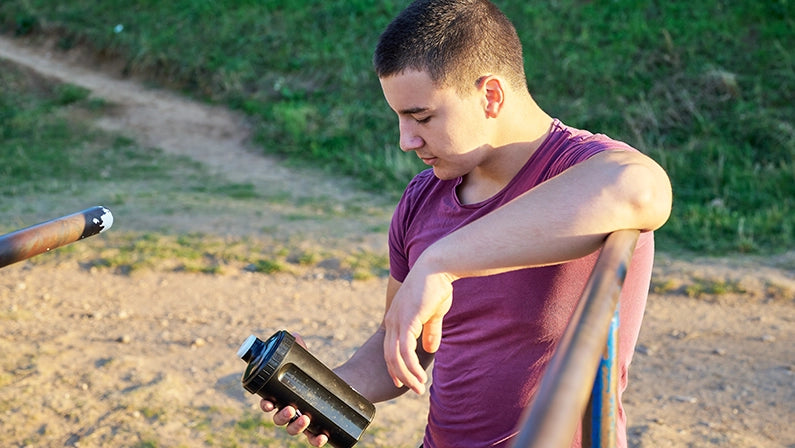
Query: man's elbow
650,197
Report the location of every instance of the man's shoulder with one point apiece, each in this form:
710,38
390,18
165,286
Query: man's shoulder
568,146
575,137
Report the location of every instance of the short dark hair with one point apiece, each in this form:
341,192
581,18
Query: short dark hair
454,41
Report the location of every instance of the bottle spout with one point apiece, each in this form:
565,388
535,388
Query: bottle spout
244,352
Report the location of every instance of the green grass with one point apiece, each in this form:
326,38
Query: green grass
713,287
45,147
705,88
130,252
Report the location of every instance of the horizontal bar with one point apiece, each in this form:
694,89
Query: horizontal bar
39,238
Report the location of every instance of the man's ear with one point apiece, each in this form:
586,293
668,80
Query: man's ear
494,95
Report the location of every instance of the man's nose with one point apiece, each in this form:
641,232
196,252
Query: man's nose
409,140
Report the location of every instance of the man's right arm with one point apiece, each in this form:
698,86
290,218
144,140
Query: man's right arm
365,371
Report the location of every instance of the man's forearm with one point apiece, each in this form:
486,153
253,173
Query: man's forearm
366,370
562,219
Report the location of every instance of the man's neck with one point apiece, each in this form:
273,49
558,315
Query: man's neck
523,134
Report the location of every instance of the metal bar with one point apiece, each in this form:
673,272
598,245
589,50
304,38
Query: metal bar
36,239
552,418
604,399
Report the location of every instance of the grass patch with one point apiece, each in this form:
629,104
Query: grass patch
704,88
267,266
713,287
234,191
365,265
131,252
146,444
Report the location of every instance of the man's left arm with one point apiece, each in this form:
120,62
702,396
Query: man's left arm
562,219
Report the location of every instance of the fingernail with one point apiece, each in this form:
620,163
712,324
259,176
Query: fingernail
295,417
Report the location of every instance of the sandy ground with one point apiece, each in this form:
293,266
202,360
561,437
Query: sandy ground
91,358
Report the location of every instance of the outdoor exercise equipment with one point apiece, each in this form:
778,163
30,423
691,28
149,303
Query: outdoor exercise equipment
43,237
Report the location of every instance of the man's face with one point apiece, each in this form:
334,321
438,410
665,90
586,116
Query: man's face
444,128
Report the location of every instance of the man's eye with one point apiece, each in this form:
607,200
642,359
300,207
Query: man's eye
423,120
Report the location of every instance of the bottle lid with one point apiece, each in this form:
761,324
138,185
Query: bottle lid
244,351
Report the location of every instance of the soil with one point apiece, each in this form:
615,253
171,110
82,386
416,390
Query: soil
95,358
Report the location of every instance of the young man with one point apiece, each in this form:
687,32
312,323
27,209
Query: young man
491,248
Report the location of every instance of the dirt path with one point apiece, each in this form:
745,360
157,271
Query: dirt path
211,135
95,359
216,137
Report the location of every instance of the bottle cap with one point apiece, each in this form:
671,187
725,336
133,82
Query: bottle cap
244,351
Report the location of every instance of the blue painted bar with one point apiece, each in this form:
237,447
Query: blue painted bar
604,398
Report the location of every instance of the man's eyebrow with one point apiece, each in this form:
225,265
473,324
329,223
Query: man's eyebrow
413,110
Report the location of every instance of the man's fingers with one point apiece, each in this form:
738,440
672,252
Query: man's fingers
392,357
402,362
317,440
414,373
432,335
284,415
399,354
296,423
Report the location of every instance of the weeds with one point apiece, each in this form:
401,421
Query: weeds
713,287
131,252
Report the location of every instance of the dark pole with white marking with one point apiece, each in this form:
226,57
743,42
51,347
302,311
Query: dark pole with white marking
43,237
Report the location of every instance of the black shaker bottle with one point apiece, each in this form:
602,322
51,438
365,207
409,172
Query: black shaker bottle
284,372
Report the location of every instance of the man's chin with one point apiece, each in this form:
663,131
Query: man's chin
444,175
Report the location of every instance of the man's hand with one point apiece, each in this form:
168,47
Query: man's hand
417,309
296,422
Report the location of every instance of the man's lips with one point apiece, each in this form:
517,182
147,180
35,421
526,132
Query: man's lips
428,160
